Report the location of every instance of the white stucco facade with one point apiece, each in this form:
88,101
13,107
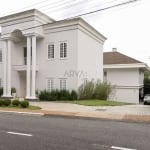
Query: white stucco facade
127,80
26,65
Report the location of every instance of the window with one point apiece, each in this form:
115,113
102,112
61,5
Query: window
50,84
1,85
25,55
1,55
50,51
62,84
63,50
105,76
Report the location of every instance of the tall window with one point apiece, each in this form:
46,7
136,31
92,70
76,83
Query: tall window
1,57
25,55
1,85
50,51
50,84
63,49
63,84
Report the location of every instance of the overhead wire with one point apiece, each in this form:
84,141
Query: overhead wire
91,12
106,8
80,9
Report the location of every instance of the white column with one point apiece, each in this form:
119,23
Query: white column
33,66
5,69
28,73
9,68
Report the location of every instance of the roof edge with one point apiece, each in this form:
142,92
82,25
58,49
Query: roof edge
22,13
119,66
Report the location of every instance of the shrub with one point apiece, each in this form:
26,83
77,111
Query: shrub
1,92
16,103
57,95
24,104
102,90
86,90
44,95
37,93
95,90
1,102
73,95
7,102
53,95
63,95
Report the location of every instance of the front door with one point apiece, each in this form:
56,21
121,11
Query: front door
22,77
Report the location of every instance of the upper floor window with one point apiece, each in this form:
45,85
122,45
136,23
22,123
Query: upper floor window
1,85
50,51
63,84
25,55
63,49
1,57
50,84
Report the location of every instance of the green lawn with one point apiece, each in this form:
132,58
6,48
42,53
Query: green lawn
98,103
30,107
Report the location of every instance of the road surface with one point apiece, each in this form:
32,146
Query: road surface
25,132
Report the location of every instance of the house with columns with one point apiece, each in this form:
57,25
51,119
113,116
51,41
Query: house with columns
37,53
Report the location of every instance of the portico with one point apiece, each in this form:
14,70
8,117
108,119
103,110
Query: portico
30,69
21,31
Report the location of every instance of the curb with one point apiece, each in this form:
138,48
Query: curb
23,113
117,117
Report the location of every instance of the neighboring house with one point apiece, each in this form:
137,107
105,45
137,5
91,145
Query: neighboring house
126,74
37,53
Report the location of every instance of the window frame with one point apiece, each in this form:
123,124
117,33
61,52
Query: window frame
50,51
63,51
62,83
50,84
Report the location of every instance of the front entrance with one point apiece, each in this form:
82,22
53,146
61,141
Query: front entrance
22,82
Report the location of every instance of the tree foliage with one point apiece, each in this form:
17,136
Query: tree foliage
147,82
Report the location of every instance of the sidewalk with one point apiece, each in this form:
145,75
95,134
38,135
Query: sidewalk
128,112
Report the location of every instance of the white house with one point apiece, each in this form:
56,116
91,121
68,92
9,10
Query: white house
37,53
126,74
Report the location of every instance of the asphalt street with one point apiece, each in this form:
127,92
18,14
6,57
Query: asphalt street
25,132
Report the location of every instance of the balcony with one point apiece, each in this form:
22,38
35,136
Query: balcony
22,67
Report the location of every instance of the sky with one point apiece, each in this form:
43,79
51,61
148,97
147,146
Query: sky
126,28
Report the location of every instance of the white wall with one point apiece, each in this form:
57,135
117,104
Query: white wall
130,95
141,77
123,77
126,82
90,57
57,68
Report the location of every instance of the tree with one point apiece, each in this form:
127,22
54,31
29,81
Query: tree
147,82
